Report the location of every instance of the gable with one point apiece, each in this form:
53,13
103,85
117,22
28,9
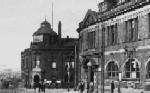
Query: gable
90,18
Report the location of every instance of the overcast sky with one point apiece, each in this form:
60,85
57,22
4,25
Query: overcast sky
19,19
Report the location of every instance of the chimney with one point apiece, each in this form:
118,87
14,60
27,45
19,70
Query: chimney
59,29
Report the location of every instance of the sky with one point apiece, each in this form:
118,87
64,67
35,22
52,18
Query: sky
19,19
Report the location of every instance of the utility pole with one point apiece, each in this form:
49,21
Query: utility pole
102,60
75,65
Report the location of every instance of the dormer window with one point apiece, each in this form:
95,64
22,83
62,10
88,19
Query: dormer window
38,38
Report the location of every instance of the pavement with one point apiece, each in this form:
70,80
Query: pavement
23,90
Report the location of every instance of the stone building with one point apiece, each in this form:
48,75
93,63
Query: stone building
123,27
50,57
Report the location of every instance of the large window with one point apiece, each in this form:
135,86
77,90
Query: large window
148,70
132,69
149,24
112,70
112,34
91,40
131,30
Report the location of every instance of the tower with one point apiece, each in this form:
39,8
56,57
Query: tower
59,29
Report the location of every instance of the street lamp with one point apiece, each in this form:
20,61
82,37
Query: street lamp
68,71
98,70
89,64
120,76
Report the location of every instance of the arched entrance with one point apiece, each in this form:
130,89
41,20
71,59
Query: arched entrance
112,70
131,69
36,79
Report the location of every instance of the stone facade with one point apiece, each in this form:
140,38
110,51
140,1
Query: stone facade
126,27
49,57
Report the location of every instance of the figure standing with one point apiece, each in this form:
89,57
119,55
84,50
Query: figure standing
112,87
81,86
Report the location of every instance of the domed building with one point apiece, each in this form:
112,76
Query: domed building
49,58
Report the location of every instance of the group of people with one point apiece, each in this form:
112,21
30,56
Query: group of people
81,86
40,85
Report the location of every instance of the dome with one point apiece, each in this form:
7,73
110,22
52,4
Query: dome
45,29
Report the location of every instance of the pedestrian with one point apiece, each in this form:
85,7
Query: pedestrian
112,87
81,87
43,86
40,86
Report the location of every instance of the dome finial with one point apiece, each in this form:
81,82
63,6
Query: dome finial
45,18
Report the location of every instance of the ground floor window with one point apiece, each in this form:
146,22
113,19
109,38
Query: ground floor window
148,70
132,69
112,70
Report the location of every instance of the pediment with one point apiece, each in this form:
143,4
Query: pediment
90,18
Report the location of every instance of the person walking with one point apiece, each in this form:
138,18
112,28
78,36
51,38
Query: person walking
43,86
81,87
112,87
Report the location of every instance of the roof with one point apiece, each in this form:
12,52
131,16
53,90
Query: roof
45,29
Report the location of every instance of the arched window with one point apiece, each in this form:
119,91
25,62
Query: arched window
112,70
148,70
132,69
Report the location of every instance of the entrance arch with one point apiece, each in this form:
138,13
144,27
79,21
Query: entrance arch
36,79
131,69
112,69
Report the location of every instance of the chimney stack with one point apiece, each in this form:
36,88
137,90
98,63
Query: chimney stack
59,29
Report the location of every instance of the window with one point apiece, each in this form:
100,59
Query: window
53,64
91,40
112,70
112,34
149,24
38,38
81,41
132,69
132,30
53,60
148,70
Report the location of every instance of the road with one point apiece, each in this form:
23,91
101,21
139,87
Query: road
23,90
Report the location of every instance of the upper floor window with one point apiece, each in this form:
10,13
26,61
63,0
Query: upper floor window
91,40
112,34
38,38
149,24
132,30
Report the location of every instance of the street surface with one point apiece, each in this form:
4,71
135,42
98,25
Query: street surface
23,90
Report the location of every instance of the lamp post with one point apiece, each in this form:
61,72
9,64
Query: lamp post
68,71
120,75
89,64
98,70
102,60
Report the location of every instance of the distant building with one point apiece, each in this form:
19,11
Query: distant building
50,57
124,25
